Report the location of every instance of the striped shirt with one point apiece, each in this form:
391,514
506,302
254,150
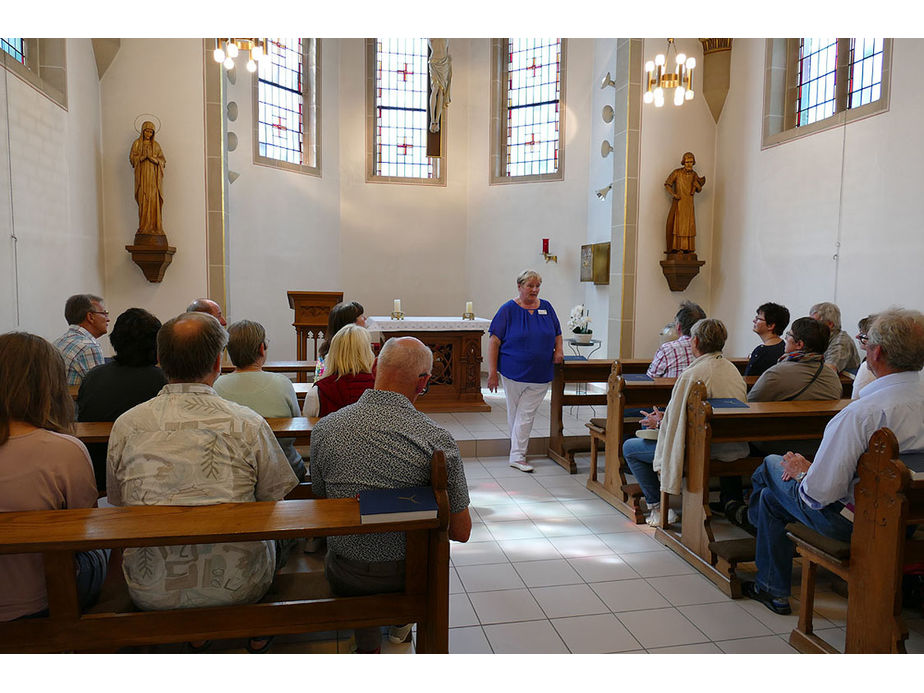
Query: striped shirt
672,358
81,352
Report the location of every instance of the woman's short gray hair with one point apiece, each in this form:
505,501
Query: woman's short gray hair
526,275
711,335
900,334
244,340
828,312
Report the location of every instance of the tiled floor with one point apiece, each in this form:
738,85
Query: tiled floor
551,568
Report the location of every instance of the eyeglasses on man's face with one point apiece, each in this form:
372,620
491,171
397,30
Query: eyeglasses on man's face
863,338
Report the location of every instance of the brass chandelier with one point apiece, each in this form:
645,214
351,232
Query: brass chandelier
680,80
227,49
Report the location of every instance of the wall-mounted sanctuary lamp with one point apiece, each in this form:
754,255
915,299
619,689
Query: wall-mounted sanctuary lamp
545,252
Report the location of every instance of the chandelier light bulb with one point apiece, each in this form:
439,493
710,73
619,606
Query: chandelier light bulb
251,65
219,55
229,63
232,49
256,53
649,66
648,97
678,96
659,98
691,63
681,58
689,95
659,59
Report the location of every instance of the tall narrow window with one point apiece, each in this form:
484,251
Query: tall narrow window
399,82
865,71
15,47
286,98
817,71
528,108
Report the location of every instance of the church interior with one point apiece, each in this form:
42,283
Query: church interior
790,215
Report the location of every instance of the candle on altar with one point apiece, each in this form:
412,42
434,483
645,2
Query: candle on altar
397,305
468,307
545,246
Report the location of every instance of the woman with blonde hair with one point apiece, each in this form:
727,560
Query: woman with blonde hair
42,467
348,372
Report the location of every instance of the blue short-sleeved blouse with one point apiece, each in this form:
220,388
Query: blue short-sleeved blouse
527,341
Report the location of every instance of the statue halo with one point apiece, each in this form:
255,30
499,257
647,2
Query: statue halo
140,118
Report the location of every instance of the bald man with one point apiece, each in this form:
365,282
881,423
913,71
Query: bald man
207,305
382,441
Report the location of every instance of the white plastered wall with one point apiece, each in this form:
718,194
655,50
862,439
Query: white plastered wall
777,223
49,196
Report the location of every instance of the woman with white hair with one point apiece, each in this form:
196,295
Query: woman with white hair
525,343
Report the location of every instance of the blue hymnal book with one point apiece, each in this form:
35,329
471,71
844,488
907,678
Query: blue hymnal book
915,463
568,357
726,403
637,377
397,504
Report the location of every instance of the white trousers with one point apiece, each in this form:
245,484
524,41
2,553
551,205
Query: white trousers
523,400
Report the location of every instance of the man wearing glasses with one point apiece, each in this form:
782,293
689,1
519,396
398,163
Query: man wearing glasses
88,320
382,441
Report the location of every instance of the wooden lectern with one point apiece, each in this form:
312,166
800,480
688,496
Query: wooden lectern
312,309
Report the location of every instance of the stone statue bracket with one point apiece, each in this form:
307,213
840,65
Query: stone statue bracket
150,250
681,263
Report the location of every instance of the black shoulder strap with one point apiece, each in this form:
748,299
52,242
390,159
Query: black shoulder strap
809,383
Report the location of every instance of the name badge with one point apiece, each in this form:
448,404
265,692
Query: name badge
542,311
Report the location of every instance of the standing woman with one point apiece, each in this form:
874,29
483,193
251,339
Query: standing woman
525,342
41,468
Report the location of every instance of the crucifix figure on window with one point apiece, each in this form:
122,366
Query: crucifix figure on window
440,65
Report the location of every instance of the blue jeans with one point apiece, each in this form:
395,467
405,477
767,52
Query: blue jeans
639,454
772,505
91,567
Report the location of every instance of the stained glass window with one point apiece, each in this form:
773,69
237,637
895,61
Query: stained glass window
820,90
15,47
401,118
280,94
533,106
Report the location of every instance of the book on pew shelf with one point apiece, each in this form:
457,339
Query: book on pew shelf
574,358
396,504
637,377
727,403
915,463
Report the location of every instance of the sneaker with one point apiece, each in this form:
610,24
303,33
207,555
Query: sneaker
400,634
654,517
522,466
779,605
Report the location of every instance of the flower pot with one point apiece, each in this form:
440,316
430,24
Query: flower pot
583,337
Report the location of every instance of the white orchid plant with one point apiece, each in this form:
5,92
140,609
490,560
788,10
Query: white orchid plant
579,321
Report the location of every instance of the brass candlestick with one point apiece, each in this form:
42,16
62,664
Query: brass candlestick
397,315
468,316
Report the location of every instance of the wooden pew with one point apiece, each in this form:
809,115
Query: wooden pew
58,534
887,501
298,427
760,421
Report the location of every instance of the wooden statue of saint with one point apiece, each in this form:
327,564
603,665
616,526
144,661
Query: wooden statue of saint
683,183
148,161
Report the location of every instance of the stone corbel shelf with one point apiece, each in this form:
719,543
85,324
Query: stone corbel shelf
679,269
152,254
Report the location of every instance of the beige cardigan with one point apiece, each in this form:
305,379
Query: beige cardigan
722,379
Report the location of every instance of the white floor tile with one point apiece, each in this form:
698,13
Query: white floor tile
568,600
724,621
630,542
603,568
496,576
455,585
505,531
525,638
546,573
699,648
586,508
501,513
506,606
684,590
563,527
461,612
551,510
529,550
609,524
777,623
658,563
470,640
770,644
480,532
629,595
661,628
575,547
595,634
476,553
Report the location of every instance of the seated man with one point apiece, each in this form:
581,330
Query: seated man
188,446
382,441
672,357
841,354
88,319
645,458
769,323
817,494
206,305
